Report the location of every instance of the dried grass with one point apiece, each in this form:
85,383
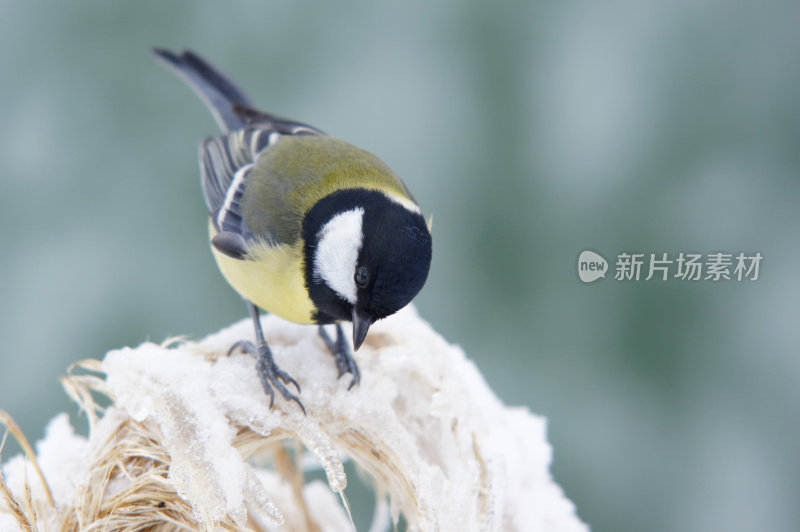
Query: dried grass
169,451
146,500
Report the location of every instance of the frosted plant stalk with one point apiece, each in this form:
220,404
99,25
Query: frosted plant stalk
190,443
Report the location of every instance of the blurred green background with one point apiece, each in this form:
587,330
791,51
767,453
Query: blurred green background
531,130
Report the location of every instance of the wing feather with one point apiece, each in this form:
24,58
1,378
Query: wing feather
225,164
226,161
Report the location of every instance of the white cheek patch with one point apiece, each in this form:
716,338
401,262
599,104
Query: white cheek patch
337,252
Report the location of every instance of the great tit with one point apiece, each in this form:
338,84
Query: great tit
303,225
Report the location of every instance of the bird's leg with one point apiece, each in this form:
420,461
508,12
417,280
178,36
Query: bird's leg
268,371
340,350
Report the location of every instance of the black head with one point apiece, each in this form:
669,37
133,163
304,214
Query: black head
367,256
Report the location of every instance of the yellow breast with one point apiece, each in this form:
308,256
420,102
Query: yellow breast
271,278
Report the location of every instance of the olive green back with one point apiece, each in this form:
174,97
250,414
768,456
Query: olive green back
297,171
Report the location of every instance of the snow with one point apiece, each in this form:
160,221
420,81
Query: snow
62,456
423,423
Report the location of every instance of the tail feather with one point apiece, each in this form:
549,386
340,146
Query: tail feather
221,96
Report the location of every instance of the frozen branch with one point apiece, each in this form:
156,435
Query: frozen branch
177,447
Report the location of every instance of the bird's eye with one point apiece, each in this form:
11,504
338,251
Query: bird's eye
361,276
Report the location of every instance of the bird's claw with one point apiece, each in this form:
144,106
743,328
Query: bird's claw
269,373
345,363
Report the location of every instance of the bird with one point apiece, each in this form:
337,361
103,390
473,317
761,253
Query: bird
302,225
